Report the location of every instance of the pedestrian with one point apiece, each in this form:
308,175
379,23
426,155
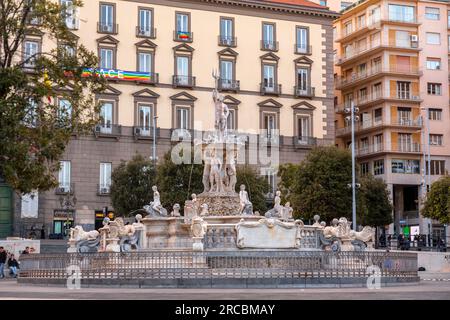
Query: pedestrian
13,265
43,232
26,251
2,261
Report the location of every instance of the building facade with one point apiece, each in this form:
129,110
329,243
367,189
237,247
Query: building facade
276,72
335,5
391,62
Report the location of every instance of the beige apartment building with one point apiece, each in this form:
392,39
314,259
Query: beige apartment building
276,73
391,62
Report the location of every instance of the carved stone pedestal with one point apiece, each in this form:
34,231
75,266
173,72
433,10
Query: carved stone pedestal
220,203
112,245
72,246
197,244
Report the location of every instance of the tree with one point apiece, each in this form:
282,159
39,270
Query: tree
437,204
319,184
375,207
34,129
131,185
176,182
256,186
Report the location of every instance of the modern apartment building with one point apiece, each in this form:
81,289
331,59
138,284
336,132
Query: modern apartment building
276,72
391,62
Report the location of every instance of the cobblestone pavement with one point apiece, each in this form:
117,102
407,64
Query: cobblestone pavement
9,289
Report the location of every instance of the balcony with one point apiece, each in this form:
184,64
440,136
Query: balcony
145,32
103,27
108,130
302,141
358,77
270,89
304,92
225,41
267,45
144,132
302,49
382,148
269,137
378,97
183,81
183,36
358,53
65,188
229,85
377,124
103,189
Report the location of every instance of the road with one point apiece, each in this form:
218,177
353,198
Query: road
426,290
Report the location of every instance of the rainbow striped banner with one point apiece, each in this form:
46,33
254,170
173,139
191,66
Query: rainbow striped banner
117,74
183,34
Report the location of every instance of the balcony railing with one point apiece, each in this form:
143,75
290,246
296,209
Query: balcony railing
378,96
144,132
184,36
356,52
269,45
183,81
370,124
381,147
108,130
229,85
103,189
359,76
145,32
103,27
302,141
274,89
226,41
302,49
65,188
301,91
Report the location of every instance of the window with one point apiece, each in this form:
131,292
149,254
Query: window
433,38
302,40
183,118
30,53
269,124
182,69
432,13
344,5
405,142
401,13
106,58
348,28
106,18
226,31
226,74
232,120
434,89
435,114
378,116
448,19
376,90
378,167
105,177
145,61
70,14
303,79
404,116
269,41
64,176
378,143
269,77
364,145
271,181
433,64
364,168
30,118
402,39
361,21
145,119
182,27
437,167
374,15
403,90
106,117
436,139
64,110
303,128
145,27
405,166
323,3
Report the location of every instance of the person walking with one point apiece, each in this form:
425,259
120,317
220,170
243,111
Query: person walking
2,261
13,265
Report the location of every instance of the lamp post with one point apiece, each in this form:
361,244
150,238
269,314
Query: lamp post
154,139
352,110
67,202
427,158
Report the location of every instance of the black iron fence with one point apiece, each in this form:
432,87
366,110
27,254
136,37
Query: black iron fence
224,265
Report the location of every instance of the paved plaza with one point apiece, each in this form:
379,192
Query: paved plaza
425,290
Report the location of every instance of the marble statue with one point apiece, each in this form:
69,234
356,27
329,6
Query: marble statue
198,227
176,210
205,178
215,178
81,241
246,207
277,210
221,109
341,233
231,174
316,219
288,211
155,208
78,234
204,210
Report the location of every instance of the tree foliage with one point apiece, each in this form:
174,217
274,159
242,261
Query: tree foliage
33,130
437,204
256,185
375,207
131,185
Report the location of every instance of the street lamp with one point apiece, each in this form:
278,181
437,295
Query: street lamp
154,139
67,202
352,110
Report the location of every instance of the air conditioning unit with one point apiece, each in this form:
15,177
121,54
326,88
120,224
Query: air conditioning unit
137,131
104,190
63,189
98,128
106,27
438,67
414,38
